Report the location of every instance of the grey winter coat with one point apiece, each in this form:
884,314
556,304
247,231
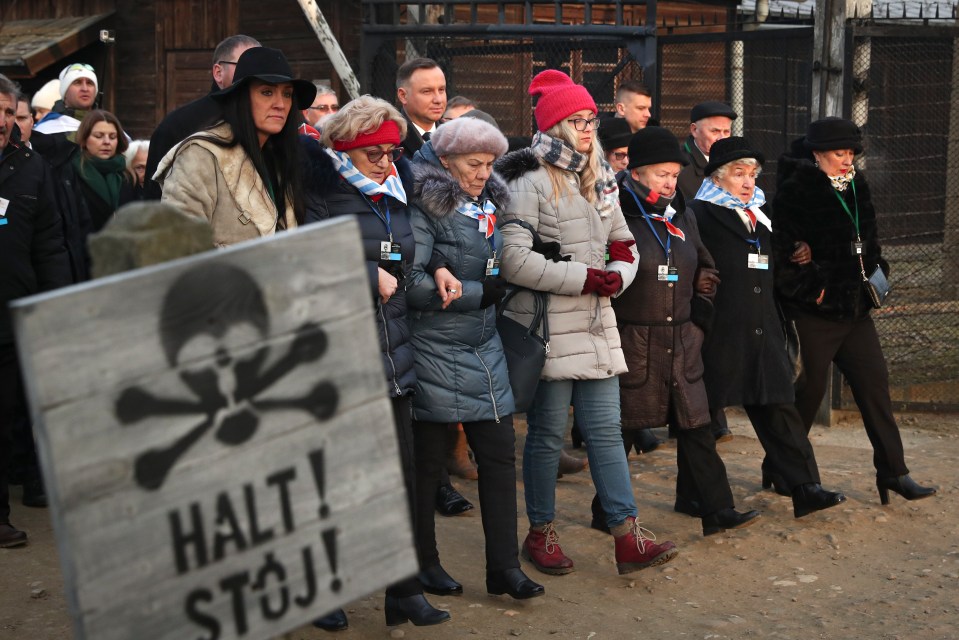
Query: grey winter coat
460,365
584,341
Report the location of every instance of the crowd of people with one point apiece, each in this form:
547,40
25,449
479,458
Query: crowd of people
673,289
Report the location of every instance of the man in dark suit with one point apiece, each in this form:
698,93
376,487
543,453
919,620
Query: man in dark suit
421,92
709,122
197,115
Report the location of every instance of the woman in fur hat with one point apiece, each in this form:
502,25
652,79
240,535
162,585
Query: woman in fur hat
460,365
564,189
826,239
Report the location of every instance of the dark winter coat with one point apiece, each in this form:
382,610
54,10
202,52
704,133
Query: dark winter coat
691,177
179,124
745,352
413,141
461,373
32,254
806,209
329,196
662,345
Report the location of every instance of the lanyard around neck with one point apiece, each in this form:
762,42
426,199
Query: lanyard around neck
845,207
649,222
384,219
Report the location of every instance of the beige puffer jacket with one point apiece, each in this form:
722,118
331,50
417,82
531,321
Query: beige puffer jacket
220,184
584,340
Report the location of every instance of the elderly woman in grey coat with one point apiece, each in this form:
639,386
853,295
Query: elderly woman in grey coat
459,360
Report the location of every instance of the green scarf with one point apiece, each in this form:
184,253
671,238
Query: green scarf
104,177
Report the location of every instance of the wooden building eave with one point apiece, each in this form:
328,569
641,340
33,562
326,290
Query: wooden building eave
29,46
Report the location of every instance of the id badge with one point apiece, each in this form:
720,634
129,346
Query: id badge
4,203
390,251
665,273
492,267
757,261
856,248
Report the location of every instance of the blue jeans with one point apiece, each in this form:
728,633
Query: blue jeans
597,413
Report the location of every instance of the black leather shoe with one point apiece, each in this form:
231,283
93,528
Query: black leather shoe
514,582
646,441
599,516
333,621
10,536
811,497
449,502
415,609
687,506
727,519
435,580
776,483
904,486
34,495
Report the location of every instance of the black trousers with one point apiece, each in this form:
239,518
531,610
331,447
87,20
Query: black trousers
403,419
494,447
702,474
780,430
13,410
854,346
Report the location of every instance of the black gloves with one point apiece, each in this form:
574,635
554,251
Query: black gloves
493,291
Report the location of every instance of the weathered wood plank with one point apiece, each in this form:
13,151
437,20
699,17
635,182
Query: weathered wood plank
217,442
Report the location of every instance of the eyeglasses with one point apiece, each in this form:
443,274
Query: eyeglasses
325,107
581,124
375,155
223,62
619,155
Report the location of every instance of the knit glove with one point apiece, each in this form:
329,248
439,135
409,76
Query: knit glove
619,250
493,291
611,284
595,278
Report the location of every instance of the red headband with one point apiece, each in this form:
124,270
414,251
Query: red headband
388,133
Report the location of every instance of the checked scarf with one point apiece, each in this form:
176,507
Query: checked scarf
562,156
711,192
662,210
392,186
485,214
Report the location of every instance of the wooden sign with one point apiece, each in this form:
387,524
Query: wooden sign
217,442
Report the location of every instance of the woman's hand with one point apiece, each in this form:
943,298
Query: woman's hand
822,294
447,286
706,281
802,254
387,285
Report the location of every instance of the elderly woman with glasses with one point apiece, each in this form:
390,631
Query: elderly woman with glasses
360,173
460,364
562,188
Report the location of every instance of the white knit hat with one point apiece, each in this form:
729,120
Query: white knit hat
73,72
47,96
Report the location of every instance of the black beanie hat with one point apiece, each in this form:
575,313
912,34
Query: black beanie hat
614,133
729,150
833,133
653,145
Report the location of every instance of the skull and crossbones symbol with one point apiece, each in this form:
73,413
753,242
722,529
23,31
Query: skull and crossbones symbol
206,311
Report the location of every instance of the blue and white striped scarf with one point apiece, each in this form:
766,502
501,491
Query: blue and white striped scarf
485,215
711,192
392,186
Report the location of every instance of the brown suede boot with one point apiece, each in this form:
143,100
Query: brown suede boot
570,464
458,461
636,548
541,547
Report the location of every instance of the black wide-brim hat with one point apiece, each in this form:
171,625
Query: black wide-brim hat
270,66
729,150
833,133
654,145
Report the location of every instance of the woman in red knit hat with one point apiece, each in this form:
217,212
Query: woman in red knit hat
563,188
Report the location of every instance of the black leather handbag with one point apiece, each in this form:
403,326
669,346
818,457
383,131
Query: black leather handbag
526,347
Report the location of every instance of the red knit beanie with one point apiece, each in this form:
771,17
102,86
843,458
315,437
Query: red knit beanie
558,97
388,133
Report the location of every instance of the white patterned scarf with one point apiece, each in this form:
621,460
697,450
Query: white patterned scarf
709,191
840,183
559,154
392,186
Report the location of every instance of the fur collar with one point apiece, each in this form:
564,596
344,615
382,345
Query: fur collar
516,164
438,194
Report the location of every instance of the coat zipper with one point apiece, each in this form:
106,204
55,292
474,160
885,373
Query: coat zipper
489,376
386,336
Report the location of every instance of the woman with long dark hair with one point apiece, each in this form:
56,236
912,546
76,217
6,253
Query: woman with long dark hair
243,174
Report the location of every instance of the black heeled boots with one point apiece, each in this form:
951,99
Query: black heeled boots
904,486
513,582
811,497
415,609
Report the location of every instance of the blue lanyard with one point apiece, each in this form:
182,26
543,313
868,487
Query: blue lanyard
649,222
755,243
379,214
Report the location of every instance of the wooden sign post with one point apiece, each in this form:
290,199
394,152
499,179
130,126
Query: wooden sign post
217,442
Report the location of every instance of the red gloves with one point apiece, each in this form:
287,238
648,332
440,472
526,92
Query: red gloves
619,250
604,283
595,279
612,284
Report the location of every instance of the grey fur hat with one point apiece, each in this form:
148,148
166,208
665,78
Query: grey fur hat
468,135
